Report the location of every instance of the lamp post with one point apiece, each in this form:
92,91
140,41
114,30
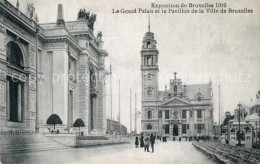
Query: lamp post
259,124
239,137
256,131
37,89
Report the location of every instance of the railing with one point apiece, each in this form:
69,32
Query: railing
19,13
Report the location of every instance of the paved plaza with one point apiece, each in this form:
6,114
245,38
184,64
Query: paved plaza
177,152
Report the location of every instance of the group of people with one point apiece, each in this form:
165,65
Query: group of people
145,141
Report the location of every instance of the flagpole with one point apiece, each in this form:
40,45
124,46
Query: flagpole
130,112
111,98
219,110
119,110
135,115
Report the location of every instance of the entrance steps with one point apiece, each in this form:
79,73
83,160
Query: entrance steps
10,144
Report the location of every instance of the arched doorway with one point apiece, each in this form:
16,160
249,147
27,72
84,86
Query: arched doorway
93,95
175,130
15,83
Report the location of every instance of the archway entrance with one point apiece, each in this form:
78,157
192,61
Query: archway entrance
15,84
93,95
175,130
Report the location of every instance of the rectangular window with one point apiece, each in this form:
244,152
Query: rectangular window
183,128
199,114
167,129
160,114
149,114
200,127
167,114
183,113
188,126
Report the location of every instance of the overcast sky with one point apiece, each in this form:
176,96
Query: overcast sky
196,46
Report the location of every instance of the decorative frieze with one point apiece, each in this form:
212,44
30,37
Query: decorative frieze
32,56
2,94
2,76
17,74
2,39
20,31
32,101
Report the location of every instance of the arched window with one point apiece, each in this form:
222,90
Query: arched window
92,78
175,88
14,54
148,44
149,127
15,87
149,114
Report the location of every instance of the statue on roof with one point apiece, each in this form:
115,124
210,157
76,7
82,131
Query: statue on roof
17,4
31,10
99,35
90,18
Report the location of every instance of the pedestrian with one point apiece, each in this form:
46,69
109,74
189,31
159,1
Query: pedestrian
136,142
141,141
146,142
180,139
174,139
160,139
152,139
149,142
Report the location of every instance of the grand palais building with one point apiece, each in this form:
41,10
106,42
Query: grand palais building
70,66
180,110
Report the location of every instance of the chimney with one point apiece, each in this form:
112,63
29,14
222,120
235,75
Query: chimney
60,20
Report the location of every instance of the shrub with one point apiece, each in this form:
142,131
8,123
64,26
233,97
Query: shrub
54,119
79,123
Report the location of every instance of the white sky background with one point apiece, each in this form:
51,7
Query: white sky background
193,45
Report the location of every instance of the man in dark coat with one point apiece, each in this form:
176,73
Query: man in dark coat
152,139
142,141
136,142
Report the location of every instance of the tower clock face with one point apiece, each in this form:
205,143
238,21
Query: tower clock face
149,92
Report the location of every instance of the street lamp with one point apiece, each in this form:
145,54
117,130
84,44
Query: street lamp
259,123
256,131
239,137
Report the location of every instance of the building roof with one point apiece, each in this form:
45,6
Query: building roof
192,92
160,95
252,117
193,89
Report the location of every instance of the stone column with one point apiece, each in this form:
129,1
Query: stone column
171,130
163,116
19,103
179,129
8,101
101,102
83,89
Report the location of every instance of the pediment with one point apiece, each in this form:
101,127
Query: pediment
175,101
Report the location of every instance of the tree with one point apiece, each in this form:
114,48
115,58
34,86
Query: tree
53,120
79,123
226,120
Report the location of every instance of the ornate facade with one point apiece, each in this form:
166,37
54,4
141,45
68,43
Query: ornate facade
181,110
71,71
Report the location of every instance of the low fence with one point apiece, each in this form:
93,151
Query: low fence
229,154
116,127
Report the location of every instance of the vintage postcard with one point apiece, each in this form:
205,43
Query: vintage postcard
115,81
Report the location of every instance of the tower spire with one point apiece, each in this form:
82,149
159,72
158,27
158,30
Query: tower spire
175,73
149,23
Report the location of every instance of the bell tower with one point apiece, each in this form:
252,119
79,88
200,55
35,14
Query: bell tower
149,67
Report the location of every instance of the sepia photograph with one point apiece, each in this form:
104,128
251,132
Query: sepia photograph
129,82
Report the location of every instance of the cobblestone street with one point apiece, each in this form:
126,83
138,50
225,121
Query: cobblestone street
169,152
